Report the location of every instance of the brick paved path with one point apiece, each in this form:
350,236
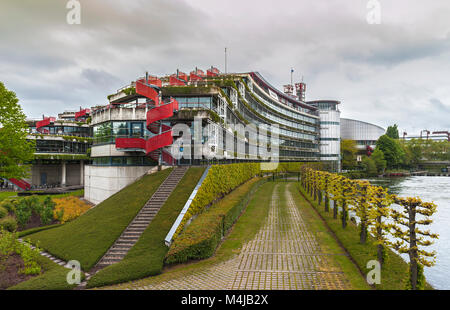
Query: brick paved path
283,255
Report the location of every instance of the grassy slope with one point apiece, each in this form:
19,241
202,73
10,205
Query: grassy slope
88,237
146,257
394,273
243,231
4,195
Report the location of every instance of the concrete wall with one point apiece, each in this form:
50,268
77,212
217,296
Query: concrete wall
54,174
102,182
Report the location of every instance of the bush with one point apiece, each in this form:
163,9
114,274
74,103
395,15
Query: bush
201,238
3,212
9,205
23,212
221,180
8,223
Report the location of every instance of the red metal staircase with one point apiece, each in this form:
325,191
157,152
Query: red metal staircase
45,122
20,183
153,147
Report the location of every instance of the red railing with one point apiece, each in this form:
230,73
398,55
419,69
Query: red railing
45,122
83,113
175,81
20,183
153,147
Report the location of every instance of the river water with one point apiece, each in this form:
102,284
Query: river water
437,190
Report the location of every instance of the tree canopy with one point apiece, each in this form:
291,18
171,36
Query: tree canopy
15,150
392,132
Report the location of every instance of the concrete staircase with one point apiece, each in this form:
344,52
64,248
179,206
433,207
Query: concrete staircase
134,230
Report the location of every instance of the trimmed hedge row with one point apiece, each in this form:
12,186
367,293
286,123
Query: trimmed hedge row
221,180
201,238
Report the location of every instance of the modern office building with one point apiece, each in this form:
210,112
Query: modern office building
330,131
365,134
62,150
203,118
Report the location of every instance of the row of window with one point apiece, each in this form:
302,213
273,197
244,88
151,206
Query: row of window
52,146
64,130
123,161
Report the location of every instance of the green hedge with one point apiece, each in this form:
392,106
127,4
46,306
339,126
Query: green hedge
201,238
221,180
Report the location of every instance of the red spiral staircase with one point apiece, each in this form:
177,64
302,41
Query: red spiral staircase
82,114
44,123
153,147
21,184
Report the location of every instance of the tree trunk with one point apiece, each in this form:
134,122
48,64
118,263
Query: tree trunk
344,213
413,255
363,235
380,247
335,210
327,203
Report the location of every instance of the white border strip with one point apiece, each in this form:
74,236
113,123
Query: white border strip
168,239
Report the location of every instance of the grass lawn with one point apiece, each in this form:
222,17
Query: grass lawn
327,241
4,195
244,230
146,257
394,273
88,237
53,278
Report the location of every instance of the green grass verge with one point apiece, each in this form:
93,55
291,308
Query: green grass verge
327,242
88,237
30,231
4,195
394,273
146,257
244,230
53,278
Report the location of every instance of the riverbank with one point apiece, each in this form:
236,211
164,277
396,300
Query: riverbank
394,274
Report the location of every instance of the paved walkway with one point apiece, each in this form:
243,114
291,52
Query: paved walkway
283,255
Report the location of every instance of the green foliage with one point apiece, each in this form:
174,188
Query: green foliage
348,154
378,158
23,213
393,152
221,180
392,132
8,223
16,151
46,213
369,166
30,258
201,238
3,212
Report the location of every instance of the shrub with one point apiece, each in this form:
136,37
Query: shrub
3,212
23,213
201,238
8,223
46,213
69,208
221,180
9,205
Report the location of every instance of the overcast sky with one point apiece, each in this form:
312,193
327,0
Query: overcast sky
393,72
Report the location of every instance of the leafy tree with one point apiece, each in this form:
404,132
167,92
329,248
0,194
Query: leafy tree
378,159
393,152
16,151
369,166
348,154
392,132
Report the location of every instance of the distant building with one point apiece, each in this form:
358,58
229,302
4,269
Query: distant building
363,133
